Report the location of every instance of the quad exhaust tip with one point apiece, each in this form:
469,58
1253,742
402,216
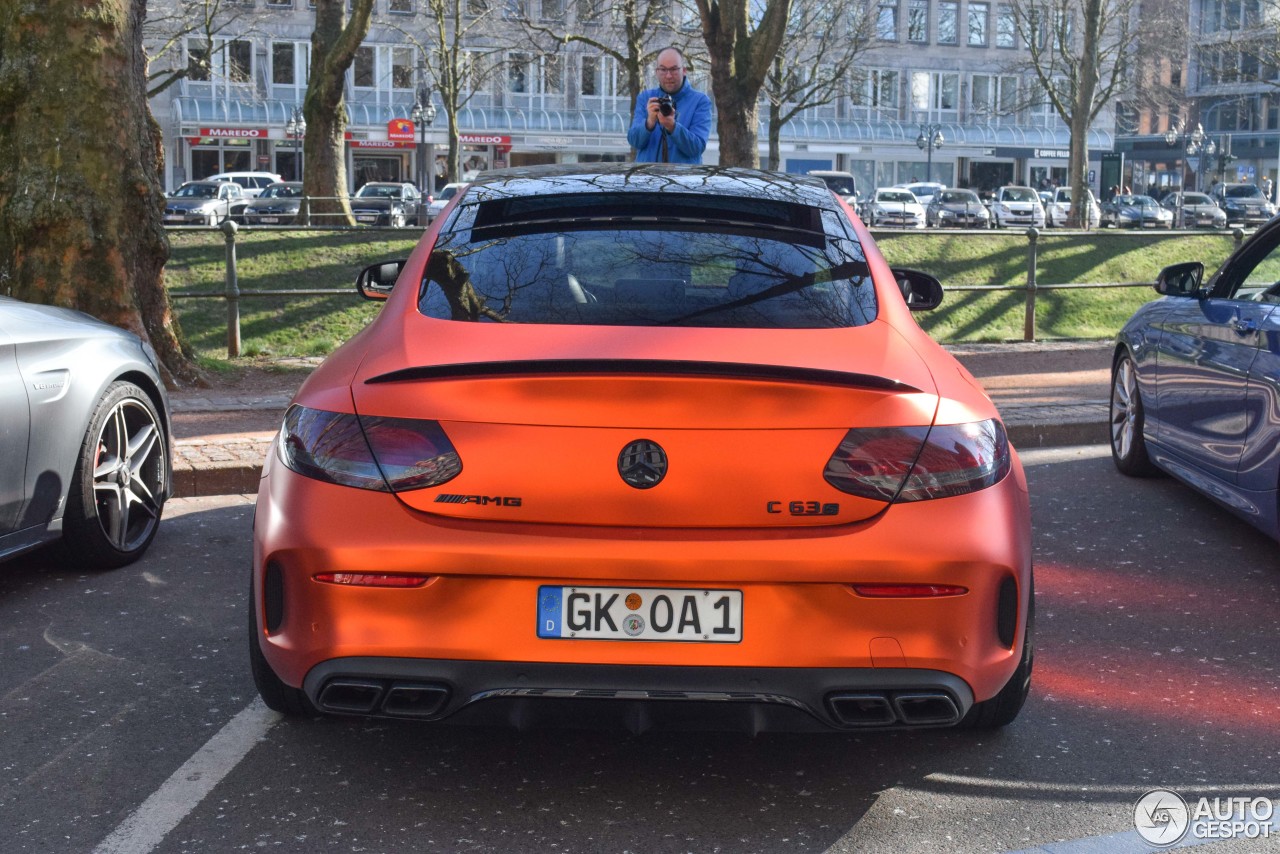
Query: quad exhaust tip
381,697
884,709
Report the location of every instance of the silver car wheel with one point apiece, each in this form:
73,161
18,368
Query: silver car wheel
1128,446
128,475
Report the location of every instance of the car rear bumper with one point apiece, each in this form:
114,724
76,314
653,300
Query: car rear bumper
522,694
800,611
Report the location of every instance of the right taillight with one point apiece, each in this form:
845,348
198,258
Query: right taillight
399,454
919,463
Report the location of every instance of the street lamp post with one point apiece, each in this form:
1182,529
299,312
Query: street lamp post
930,138
1193,142
424,113
296,129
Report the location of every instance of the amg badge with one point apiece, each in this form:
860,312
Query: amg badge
496,500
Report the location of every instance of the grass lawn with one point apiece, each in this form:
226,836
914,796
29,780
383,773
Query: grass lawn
307,326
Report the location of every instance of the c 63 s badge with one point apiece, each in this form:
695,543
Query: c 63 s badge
803,508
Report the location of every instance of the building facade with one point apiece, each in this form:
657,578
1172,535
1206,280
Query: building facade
937,63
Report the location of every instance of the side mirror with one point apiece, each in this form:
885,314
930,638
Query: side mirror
377,280
1180,280
921,291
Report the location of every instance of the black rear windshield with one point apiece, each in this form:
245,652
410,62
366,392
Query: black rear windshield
642,260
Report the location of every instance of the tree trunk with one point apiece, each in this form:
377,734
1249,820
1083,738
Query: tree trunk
1081,117
81,202
740,58
333,48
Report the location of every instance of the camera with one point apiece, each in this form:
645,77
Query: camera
666,106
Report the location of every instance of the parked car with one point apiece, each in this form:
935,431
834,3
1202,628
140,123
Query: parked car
1135,211
204,203
387,203
278,204
843,184
1057,213
1017,206
894,206
924,191
441,199
1244,203
253,183
957,209
644,440
1196,381
1198,210
84,437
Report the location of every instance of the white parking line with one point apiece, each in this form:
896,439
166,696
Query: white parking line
142,831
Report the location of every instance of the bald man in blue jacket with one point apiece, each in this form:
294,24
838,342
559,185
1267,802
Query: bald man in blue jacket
680,137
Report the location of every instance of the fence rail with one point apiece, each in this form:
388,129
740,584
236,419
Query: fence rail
233,293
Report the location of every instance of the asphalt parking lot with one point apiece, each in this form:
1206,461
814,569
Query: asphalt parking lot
130,721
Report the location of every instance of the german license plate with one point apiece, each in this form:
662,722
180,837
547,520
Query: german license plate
640,613
270,219
366,219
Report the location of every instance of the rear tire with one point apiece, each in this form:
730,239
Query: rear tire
278,696
120,482
1003,708
1127,420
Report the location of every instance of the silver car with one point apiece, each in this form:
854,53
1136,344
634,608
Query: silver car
84,436
204,203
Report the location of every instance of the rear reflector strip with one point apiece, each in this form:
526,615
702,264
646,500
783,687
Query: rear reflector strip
372,579
908,591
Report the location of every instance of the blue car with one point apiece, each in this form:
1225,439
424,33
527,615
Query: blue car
1195,381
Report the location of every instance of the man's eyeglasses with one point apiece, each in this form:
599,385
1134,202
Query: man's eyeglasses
662,69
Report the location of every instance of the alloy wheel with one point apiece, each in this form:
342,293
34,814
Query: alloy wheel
128,475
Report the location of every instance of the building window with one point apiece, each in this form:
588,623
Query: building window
402,68
1126,118
978,13
518,73
279,3
935,93
993,97
948,22
1006,27
198,65
553,10
400,7
887,21
918,21
362,69
282,68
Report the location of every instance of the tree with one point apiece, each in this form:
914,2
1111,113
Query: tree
333,48
815,63
456,61
80,195
741,45
168,25
1080,52
645,32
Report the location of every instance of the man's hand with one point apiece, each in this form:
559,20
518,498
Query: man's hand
656,117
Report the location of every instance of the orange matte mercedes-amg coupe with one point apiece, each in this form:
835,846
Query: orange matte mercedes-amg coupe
650,446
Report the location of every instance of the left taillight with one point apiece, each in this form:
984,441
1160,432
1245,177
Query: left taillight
382,454
920,463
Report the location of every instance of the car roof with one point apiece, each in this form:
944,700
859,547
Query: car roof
225,175
592,178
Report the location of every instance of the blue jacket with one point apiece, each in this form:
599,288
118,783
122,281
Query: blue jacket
686,143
